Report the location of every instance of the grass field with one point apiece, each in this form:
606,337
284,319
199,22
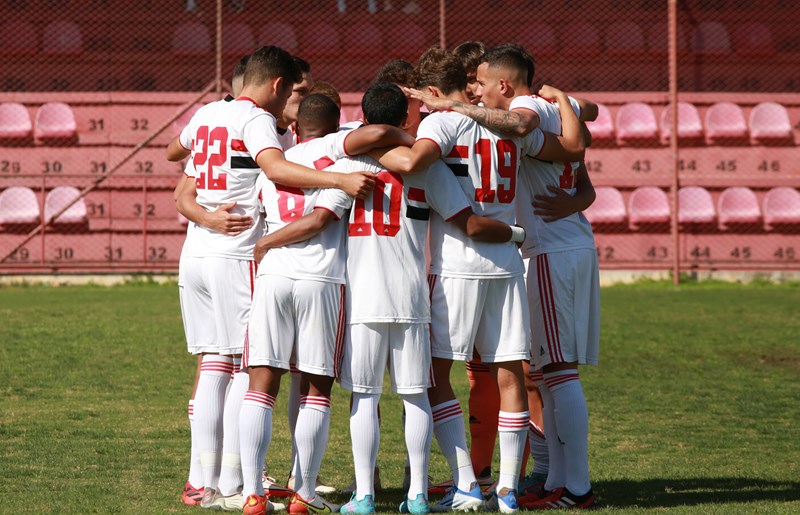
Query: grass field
694,409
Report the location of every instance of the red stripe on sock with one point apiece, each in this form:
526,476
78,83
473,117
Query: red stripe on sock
553,381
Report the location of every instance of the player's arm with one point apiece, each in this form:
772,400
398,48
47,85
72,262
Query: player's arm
480,228
368,137
404,160
561,204
176,151
589,110
570,145
302,229
281,171
220,220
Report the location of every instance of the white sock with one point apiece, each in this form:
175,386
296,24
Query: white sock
418,424
230,478
195,468
255,434
572,422
293,410
555,449
512,429
209,403
538,445
365,435
448,427
311,435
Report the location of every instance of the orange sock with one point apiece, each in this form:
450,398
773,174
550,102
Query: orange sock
484,407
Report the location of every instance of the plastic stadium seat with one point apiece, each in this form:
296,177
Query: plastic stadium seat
602,128
636,124
15,124
770,124
62,38
725,123
19,206
624,38
183,120
191,39
581,39
753,39
658,38
55,124
711,38
738,205
278,34
648,205
60,197
539,39
366,41
782,207
608,207
237,39
690,127
320,40
18,38
695,206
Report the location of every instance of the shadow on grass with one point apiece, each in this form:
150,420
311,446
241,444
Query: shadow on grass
655,493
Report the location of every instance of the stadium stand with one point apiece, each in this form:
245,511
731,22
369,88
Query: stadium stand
540,36
62,38
15,124
365,42
770,125
55,124
191,40
710,38
690,126
320,39
237,39
279,34
58,199
580,39
695,208
602,128
782,208
738,206
624,39
725,124
636,125
608,210
648,208
753,40
18,38
19,207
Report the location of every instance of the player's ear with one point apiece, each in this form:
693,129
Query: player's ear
404,124
433,90
504,86
277,85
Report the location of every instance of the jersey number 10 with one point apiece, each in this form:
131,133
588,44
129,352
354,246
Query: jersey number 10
358,220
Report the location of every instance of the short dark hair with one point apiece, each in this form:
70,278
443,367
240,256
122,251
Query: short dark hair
440,68
271,62
318,108
240,67
513,56
384,102
470,53
396,71
303,65
326,88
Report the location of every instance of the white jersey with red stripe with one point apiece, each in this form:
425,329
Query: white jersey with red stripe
225,139
288,137
485,164
322,257
568,233
386,245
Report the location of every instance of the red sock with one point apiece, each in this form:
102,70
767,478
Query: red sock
484,407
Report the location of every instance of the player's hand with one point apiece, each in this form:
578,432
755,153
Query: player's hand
259,251
223,221
556,206
358,184
432,102
550,93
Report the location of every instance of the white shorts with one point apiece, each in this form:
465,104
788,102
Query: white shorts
296,321
215,296
368,348
564,295
487,315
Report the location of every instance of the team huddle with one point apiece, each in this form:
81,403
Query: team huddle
397,243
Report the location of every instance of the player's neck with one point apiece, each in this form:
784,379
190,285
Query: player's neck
458,96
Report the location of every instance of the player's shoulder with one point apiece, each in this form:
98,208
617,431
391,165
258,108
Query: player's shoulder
361,163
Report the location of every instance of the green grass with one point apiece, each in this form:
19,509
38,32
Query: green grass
693,409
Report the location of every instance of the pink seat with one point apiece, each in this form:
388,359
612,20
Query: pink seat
754,39
624,38
636,125
602,128
320,39
184,119
15,124
581,39
738,205
782,207
711,38
278,34
608,207
237,39
191,39
18,38
539,39
725,123
62,38
55,124
367,41
695,206
690,127
648,205
19,206
770,124
58,199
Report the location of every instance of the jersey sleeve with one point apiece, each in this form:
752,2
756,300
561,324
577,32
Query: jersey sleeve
186,138
524,102
533,143
260,133
443,192
575,106
334,145
438,128
335,201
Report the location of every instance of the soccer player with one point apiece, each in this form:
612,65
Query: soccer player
470,53
287,134
478,291
231,143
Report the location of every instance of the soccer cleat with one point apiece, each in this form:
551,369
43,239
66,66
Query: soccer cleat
191,496
299,506
485,482
418,506
272,487
320,487
208,497
221,502
363,507
504,501
531,488
459,500
257,505
561,498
